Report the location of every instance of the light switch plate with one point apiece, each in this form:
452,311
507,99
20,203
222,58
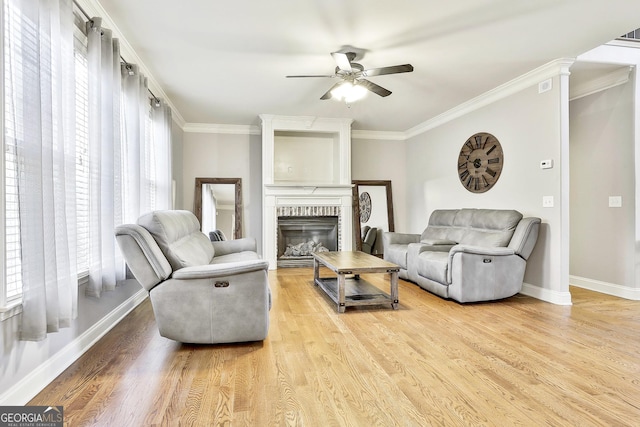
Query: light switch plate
547,201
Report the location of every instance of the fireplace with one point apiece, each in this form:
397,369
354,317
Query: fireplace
306,172
302,230
299,237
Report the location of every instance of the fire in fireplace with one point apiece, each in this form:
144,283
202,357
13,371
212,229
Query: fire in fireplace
300,236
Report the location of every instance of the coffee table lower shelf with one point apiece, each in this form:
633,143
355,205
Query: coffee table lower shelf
357,292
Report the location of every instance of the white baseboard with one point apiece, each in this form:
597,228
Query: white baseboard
26,389
606,288
554,297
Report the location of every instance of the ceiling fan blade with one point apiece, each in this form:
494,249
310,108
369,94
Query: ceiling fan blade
342,60
328,95
378,90
311,75
394,69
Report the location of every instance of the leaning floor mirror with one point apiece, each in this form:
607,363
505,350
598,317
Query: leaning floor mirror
372,214
218,207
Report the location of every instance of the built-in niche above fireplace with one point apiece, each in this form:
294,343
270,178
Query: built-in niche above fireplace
306,163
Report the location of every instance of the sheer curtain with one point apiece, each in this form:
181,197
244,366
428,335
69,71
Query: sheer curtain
147,147
39,77
135,114
106,266
128,153
161,147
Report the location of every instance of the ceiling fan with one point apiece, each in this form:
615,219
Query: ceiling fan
352,84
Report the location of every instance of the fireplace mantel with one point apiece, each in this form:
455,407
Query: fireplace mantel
301,190
306,161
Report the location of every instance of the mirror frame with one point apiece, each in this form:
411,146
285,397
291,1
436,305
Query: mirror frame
238,196
356,207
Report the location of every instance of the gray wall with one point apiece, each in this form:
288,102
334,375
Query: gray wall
527,124
213,155
383,160
602,165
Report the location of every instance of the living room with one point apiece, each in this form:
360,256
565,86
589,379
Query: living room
533,125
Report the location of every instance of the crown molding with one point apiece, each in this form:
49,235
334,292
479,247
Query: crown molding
220,128
607,81
255,130
551,69
378,135
632,43
282,122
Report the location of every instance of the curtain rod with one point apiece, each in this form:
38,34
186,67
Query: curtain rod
155,98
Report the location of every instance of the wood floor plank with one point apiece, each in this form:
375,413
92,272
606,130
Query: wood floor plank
518,361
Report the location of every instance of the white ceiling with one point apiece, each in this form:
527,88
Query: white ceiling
225,62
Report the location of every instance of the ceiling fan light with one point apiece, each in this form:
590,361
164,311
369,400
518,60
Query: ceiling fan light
348,92
356,93
339,92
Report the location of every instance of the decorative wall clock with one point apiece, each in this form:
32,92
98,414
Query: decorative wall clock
365,207
480,162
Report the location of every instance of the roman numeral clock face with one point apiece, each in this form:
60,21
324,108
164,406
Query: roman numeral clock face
480,162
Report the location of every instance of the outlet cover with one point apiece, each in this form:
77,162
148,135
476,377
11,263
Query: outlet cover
547,201
546,164
615,201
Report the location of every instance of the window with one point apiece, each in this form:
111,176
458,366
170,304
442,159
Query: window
12,19
82,146
13,127
633,35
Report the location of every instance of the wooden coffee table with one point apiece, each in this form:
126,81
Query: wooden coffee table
355,291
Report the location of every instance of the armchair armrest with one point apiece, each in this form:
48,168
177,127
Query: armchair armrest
226,247
525,236
481,250
212,271
143,255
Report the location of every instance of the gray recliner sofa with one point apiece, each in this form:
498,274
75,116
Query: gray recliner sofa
201,291
466,255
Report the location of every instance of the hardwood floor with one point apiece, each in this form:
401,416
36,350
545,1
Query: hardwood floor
518,361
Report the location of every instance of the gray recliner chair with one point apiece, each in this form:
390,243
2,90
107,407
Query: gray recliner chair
201,291
369,235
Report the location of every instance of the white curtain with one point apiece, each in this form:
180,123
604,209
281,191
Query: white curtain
106,266
146,146
161,126
40,157
40,103
135,115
